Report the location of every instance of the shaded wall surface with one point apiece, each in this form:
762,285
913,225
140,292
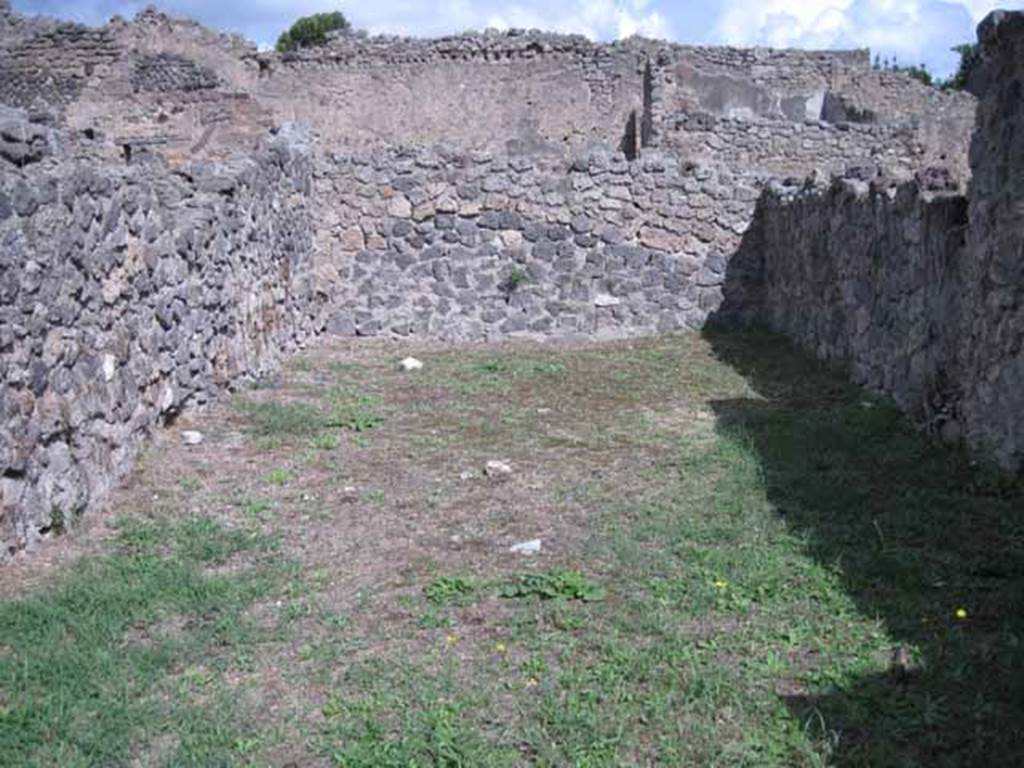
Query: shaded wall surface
869,276
920,294
993,333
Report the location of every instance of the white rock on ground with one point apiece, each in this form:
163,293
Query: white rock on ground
495,468
191,437
531,547
411,364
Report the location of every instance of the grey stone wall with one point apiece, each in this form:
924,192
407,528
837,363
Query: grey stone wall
919,294
518,92
126,293
780,148
867,275
472,246
202,94
993,333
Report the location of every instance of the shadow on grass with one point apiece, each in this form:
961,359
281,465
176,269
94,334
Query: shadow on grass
916,532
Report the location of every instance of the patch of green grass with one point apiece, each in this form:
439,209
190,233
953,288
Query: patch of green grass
325,442
556,584
355,411
258,509
449,589
395,724
337,620
279,476
275,423
273,419
493,374
374,496
91,668
433,619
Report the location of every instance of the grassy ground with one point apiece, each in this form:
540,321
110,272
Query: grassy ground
745,562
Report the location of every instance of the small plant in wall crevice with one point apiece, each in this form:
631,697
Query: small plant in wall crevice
517,277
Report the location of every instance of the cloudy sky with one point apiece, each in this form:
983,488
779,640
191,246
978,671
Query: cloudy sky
914,31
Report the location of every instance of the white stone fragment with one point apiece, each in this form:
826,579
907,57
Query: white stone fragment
191,437
495,468
604,300
411,364
109,367
531,547
166,399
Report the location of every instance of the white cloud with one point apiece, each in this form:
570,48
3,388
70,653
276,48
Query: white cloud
914,31
597,19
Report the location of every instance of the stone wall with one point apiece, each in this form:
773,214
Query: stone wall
749,83
920,294
470,246
199,94
520,92
867,275
127,292
993,332
778,148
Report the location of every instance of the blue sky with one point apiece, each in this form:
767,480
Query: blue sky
915,31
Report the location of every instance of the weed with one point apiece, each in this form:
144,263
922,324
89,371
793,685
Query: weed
337,620
556,584
516,277
432,619
326,442
273,419
279,476
354,411
258,509
449,589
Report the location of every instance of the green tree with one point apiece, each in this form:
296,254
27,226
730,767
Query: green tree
310,31
919,73
970,57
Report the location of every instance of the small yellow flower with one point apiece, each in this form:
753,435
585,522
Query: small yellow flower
501,648
452,639
960,613
531,683
720,584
